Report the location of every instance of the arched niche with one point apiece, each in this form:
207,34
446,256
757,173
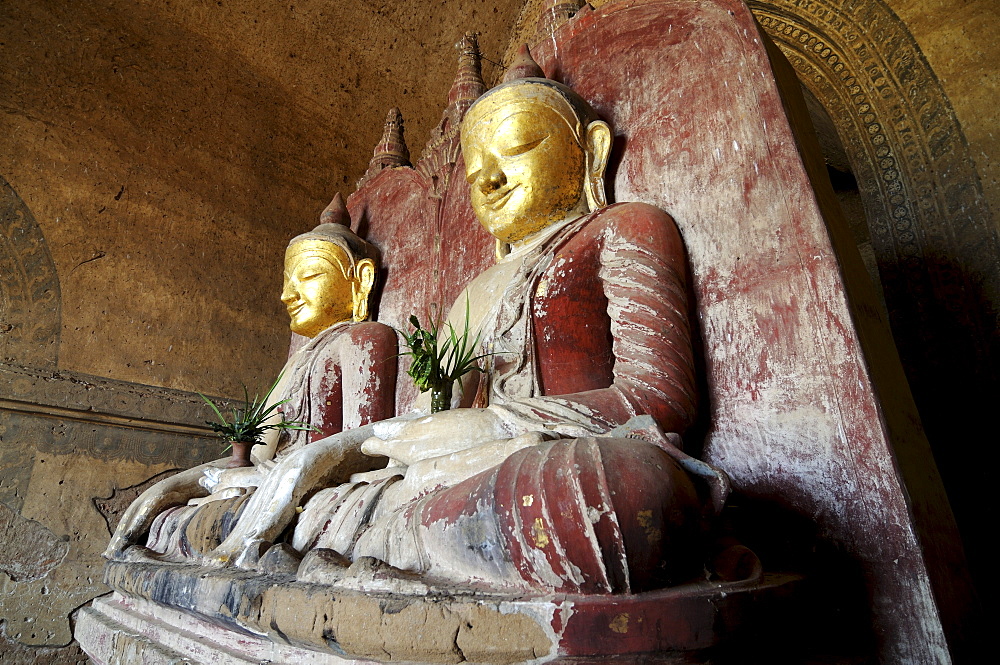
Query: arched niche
29,287
930,233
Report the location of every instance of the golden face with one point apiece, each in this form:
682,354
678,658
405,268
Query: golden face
523,161
318,290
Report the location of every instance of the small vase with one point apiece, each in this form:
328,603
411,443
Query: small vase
241,455
441,398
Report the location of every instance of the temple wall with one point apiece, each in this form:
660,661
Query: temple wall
156,158
169,152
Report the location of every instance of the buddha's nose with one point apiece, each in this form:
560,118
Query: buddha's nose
289,294
493,178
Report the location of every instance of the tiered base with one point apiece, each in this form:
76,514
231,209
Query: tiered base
171,613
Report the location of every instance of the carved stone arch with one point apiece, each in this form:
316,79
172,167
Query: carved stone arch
30,309
931,229
922,193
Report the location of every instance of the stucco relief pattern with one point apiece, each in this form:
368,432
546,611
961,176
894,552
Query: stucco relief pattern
63,412
29,286
923,199
68,441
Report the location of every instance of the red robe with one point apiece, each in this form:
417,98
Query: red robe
591,331
343,378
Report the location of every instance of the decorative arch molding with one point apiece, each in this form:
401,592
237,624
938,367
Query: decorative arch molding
30,307
932,232
931,227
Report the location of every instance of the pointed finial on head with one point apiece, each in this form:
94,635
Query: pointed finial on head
468,85
524,66
442,149
336,212
391,150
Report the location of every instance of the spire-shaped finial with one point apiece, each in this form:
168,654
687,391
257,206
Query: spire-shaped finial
391,150
556,13
442,149
468,85
336,212
523,66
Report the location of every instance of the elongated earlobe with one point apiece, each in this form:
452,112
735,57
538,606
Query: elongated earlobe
598,147
361,289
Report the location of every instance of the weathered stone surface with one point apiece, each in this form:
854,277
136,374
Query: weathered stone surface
56,503
14,653
66,441
436,625
124,630
30,550
36,611
112,507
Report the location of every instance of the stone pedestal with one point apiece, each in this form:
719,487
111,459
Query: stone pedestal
163,613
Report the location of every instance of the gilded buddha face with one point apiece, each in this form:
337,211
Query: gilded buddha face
323,287
530,160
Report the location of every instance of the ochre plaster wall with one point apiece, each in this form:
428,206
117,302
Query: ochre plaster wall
169,150
958,40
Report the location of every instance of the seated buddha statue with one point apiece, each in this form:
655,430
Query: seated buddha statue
342,378
536,481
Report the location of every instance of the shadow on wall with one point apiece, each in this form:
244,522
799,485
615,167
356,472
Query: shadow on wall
832,620
950,358
74,449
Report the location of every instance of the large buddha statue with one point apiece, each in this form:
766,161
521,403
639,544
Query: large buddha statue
539,479
342,378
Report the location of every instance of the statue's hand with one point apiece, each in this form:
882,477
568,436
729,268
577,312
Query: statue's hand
436,435
216,479
449,470
175,490
210,478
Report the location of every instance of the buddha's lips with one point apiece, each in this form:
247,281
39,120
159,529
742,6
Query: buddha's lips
498,199
294,309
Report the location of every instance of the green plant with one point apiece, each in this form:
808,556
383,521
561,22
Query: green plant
249,421
437,366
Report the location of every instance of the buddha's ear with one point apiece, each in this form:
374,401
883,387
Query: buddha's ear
364,273
598,148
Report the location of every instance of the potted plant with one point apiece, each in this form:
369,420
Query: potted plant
435,366
249,422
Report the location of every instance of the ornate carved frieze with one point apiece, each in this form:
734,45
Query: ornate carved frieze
60,411
931,229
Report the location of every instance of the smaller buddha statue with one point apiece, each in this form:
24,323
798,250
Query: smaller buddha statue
328,280
342,378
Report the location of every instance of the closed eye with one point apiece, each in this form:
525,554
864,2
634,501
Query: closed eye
522,148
